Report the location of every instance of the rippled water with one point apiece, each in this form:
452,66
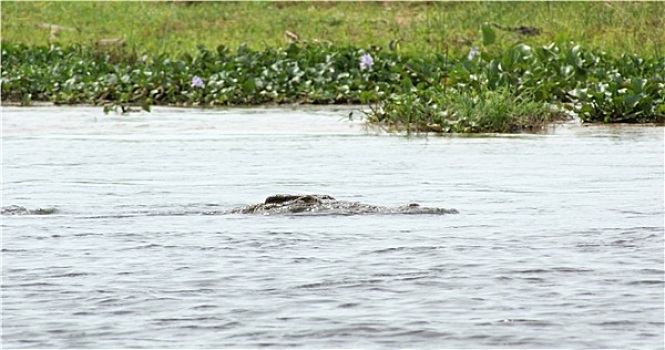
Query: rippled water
558,243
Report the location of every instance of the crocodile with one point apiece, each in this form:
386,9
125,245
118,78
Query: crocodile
315,204
286,204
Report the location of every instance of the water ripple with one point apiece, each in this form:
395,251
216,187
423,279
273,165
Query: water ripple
558,247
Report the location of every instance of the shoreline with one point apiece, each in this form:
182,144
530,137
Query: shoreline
574,121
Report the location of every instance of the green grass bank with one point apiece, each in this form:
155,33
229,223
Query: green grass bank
438,67
176,27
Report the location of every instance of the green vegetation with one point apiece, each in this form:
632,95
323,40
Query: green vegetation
455,111
176,27
436,67
532,87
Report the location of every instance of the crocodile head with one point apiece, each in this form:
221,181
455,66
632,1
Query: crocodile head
316,204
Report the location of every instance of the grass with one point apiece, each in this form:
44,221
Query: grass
421,27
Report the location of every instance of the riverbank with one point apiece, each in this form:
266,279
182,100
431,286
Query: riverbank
177,27
496,83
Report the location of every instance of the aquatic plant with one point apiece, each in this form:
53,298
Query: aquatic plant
464,111
596,86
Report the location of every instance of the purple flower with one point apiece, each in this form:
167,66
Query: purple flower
366,62
197,82
473,53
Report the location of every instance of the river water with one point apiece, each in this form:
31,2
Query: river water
558,242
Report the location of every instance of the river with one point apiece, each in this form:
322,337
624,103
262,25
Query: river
558,242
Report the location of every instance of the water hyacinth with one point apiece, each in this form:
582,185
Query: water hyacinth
197,82
473,53
366,61
626,89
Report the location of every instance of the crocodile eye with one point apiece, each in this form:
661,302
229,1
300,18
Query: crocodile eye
308,199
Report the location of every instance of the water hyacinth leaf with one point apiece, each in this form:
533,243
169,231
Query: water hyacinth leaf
292,50
249,86
585,108
111,79
344,75
524,49
368,97
631,101
545,54
187,58
638,85
260,84
581,94
180,65
222,51
493,73
573,57
511,58
568,72
661,111
25,99
600,94
489,37
406,83
343,89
